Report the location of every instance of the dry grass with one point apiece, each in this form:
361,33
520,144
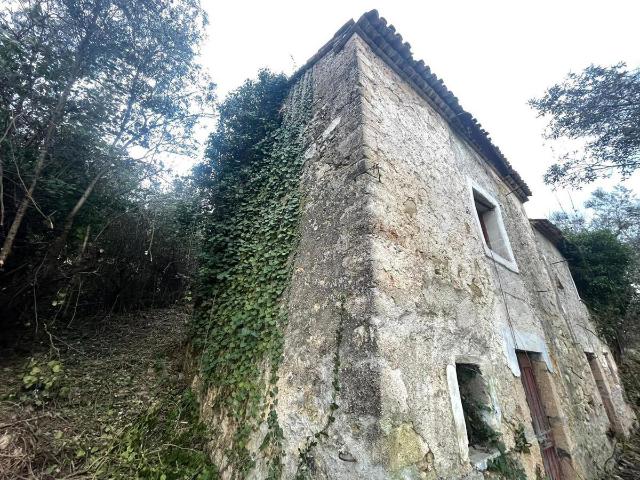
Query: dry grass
112,373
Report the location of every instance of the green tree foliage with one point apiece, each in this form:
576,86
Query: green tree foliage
600,264
617,211
601,108
92,94
604,261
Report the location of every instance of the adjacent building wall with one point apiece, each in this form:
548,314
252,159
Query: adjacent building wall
583,330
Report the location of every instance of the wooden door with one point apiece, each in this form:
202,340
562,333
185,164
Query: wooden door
541,425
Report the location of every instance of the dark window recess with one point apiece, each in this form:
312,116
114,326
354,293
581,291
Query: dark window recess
482,209
476,406
490,220
603,390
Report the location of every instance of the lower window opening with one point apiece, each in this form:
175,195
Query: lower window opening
476,406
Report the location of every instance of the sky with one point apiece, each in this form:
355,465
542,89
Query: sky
493,55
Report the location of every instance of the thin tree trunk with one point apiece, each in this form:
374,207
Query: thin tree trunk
24,203
84,243
56,115
26,200
6,133
60,242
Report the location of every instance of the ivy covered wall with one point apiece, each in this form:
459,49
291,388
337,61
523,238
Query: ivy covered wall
250,191
287,271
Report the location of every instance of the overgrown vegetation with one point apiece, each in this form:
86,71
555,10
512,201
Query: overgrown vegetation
92,93
249,186
483,436
113,403
600,265
604,260
479,432
167,442
520,442
506,466
43,381
89,226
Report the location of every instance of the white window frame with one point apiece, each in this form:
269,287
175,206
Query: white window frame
493,417
509,263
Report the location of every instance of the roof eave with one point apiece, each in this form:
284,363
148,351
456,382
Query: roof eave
389,46
551,232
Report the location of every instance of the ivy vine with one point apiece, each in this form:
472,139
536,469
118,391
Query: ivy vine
250,186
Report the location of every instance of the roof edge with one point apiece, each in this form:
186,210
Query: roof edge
389,46
551,232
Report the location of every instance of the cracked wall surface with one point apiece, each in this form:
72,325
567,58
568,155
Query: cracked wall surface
392,260
331,290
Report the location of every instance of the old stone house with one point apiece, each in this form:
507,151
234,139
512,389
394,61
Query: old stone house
422,289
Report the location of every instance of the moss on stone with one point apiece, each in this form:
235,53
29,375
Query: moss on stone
405,447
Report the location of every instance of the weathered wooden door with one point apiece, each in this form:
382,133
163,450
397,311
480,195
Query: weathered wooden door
541,425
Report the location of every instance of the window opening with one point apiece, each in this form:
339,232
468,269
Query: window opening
603,390
493,233
476,407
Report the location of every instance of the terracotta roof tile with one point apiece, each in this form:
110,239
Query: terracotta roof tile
389,45
551,232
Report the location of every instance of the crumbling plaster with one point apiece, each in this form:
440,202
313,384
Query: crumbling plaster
391,257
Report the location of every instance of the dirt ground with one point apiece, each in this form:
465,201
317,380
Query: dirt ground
97,403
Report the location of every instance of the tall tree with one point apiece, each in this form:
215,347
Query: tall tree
600,108
618,211
120,72
93,93
604,259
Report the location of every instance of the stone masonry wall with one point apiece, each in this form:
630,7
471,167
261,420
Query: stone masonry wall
331,293
392,286
440,299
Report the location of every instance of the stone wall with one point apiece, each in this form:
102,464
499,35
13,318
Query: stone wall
393,286
583,330
331,292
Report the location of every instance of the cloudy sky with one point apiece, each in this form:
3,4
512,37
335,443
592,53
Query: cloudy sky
493,55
